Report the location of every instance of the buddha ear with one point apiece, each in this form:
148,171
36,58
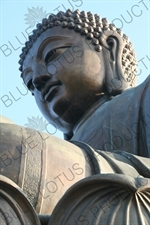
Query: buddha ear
112,43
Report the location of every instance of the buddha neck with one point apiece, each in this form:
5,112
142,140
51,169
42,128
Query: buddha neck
91,110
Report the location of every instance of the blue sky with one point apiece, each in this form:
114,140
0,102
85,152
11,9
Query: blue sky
16,102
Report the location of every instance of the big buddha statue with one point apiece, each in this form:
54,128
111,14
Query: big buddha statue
81,70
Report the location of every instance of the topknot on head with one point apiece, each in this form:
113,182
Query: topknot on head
91,26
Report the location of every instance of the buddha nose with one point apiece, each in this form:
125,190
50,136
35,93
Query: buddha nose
41,76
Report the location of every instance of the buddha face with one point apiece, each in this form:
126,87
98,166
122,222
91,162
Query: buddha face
65,74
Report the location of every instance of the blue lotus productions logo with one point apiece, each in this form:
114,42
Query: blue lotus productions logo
36,123
35,15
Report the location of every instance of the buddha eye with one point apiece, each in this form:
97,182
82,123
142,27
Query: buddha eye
53,54
49,56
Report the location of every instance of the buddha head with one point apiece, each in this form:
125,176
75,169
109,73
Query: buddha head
72,61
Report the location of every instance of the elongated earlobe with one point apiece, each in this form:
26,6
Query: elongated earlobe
115,81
